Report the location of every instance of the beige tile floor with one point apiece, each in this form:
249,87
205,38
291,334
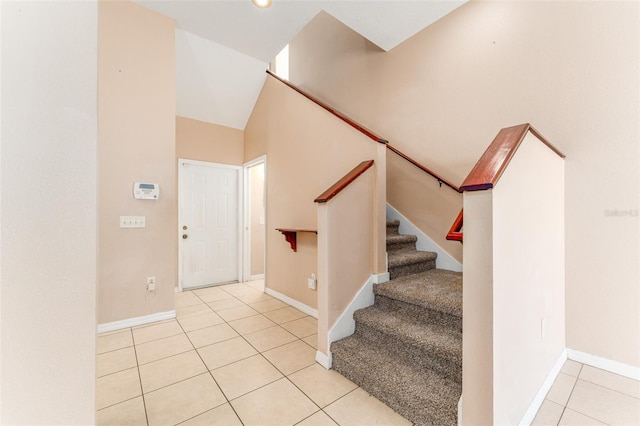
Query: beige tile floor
236,356
233,356
584,395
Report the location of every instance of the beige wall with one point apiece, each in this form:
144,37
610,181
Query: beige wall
346,227
477,323
256,188
198,140
442,95
514,304
48,213
136,103
441,203
528,277
307,150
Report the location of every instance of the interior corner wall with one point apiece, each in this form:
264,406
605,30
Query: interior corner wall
307,150
48,212
199,140
570,69
136,143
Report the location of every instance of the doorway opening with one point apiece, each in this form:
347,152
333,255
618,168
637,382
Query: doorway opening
255,219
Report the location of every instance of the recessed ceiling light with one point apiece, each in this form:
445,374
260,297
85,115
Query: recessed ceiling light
262,3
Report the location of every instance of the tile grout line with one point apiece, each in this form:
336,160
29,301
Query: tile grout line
287,377
608,388
144,402
261,353
564,408
213,378
258,352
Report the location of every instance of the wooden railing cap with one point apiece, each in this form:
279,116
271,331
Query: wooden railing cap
487,171
341,184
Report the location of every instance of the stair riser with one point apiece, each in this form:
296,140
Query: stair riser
447,365
401,246
415,268
426,315
396,397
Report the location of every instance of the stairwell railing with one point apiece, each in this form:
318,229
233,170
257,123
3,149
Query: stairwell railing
454,233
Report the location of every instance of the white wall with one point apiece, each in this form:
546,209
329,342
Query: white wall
48,212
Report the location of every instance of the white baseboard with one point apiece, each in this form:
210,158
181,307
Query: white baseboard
256,277
324,360
133,322
345,325
380,278
535,405
296,304
424,243
604,364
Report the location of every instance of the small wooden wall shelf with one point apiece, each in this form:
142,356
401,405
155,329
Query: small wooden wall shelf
291,235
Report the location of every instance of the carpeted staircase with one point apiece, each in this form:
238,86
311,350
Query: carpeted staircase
407,347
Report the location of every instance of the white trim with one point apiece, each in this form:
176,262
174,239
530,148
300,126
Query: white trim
424,243
256,277
324,360
240,209
345,325
535,405
604,364
460,410
246,217
132,322
380,278
298,305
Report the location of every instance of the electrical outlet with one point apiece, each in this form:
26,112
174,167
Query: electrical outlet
151,283
311,282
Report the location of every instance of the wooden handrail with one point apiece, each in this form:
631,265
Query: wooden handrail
338,114
487,171
343,182
455,233
363,130
423,168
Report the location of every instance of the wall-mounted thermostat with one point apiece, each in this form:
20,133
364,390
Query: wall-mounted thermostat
146,191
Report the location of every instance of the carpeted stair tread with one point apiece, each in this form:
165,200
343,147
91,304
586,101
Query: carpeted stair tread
407,347
438,340
404,257
400,240
420,395
436,289
393,223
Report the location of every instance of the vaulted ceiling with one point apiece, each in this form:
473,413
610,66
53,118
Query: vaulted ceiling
224,46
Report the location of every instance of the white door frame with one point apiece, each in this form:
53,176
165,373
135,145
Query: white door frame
180,213
247,215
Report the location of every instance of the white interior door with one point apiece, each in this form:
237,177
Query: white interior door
209,228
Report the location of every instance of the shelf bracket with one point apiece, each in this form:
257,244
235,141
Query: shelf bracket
291,235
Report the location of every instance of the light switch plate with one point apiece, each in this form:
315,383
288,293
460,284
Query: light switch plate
132,221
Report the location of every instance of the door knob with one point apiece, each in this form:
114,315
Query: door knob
184,227
185,236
